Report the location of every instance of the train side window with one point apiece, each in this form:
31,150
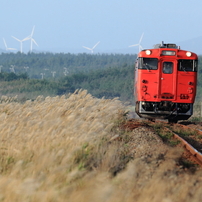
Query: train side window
167,67
187,65
148,63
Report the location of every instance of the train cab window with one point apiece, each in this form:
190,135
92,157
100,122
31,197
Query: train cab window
148,63
167,67
187,65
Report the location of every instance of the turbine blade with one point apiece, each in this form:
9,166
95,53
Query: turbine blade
32,31
16,39
134,45
11,49
87,48
96,45
141,37
5,43
34,41
27,38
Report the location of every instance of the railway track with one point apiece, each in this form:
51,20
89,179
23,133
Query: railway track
192,153
181,134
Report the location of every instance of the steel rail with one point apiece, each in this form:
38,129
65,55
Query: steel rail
194,152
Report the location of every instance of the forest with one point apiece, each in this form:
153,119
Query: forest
57,65
103,75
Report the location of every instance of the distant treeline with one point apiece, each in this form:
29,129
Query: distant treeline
57,65
4,76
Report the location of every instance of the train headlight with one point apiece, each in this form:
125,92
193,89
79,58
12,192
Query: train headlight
144,81
148,52
188,54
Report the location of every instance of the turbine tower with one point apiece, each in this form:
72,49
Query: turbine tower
91,49
25,39
32,40
7,46
139,44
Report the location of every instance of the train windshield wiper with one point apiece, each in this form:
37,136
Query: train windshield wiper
147,66
184,69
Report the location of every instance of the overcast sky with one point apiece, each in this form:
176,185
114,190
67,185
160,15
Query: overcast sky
67,25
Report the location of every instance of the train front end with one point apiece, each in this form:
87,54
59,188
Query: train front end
165,83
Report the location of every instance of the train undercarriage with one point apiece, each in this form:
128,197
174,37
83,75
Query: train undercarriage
164,110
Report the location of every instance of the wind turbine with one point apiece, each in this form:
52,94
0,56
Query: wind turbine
32,40
26,68
42,75
139,44
7,46
66,71
53,73
12,68
25,39
91,49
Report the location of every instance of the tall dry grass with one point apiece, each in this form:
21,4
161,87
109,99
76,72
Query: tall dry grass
69,148
38,141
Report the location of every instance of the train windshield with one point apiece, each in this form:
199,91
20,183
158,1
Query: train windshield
148,63
167,67
187,65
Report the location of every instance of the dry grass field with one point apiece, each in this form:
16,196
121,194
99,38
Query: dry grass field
70,148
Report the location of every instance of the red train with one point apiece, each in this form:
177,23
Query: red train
165,83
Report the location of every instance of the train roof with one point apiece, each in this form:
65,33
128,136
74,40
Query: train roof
162,50
168,45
